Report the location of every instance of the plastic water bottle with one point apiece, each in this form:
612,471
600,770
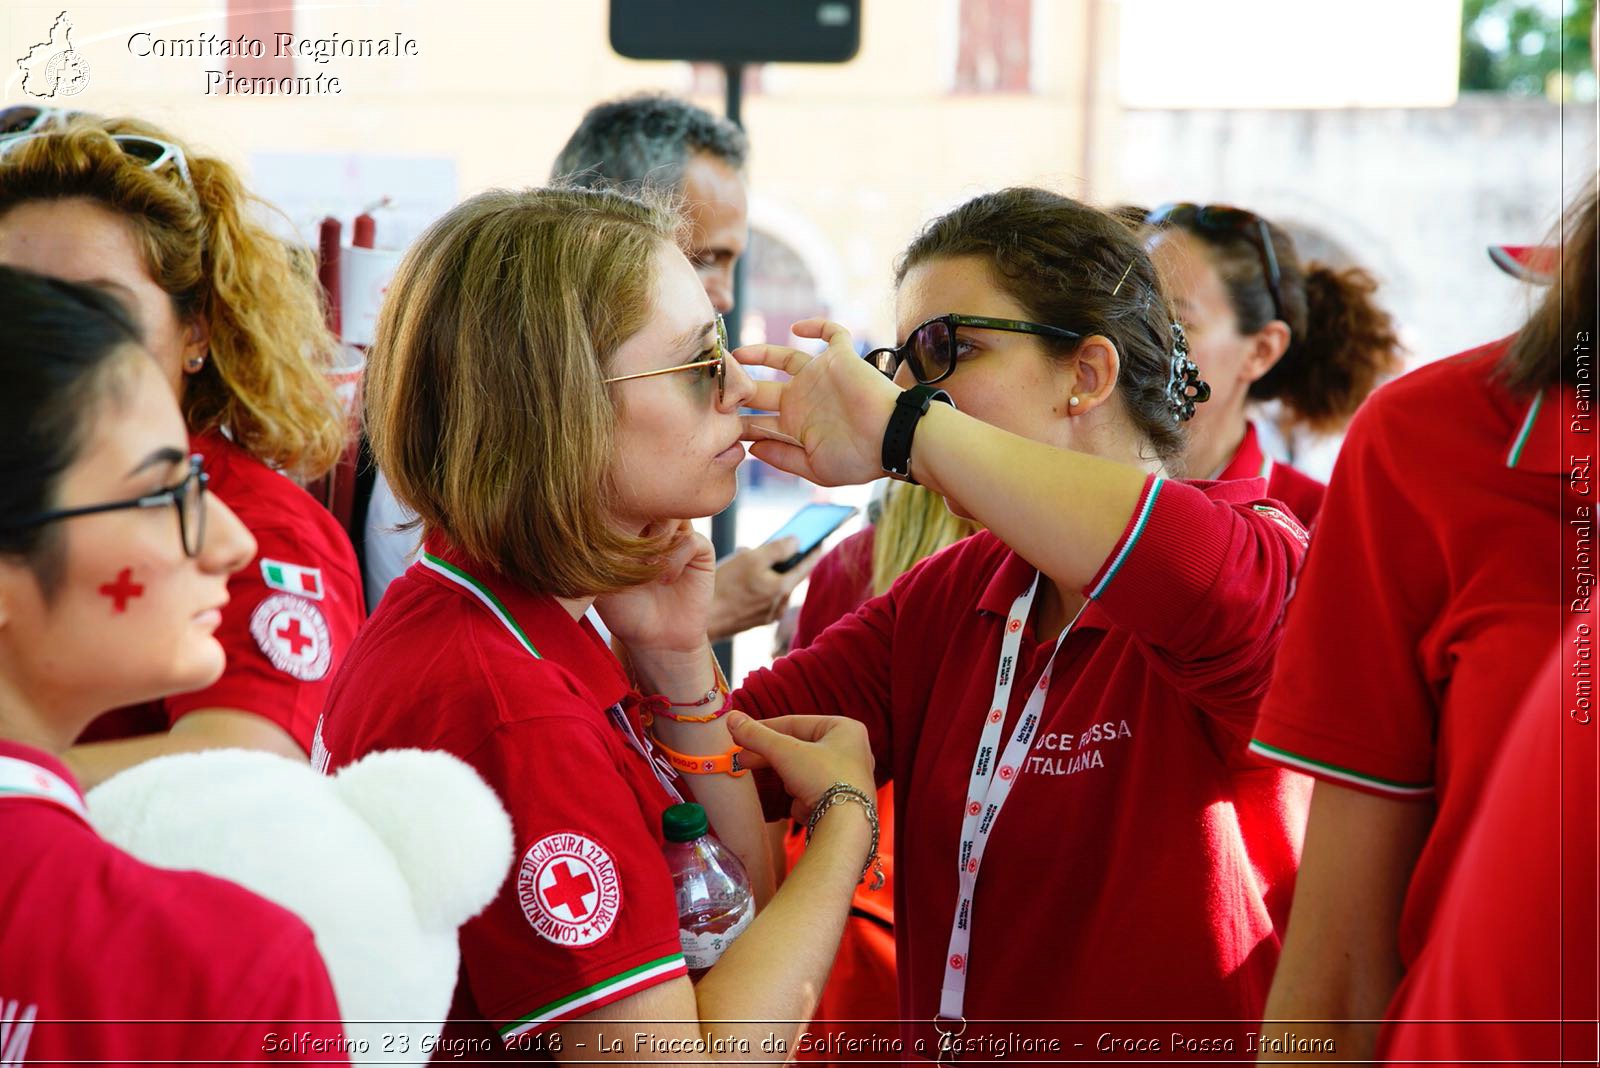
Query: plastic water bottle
715,903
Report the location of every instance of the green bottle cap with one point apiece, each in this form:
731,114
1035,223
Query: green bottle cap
684,823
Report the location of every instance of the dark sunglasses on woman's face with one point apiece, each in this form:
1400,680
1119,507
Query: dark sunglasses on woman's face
1223,219
187,495
930,350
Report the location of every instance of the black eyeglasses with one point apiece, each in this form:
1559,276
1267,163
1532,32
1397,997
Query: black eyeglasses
1222,219
188,496
931,348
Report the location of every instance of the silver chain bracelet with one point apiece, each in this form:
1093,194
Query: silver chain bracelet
842,792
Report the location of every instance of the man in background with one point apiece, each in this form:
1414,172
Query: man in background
653,142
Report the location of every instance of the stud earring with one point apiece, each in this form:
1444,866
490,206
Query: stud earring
1073,402
194,363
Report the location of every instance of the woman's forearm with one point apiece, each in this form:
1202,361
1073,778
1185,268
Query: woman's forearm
1062,511
775,971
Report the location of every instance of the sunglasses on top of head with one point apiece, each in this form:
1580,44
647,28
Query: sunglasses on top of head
23,124
1224,219
930,350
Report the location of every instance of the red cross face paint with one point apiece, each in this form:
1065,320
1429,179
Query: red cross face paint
569,889
123,590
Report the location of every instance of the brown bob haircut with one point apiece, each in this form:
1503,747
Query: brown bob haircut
484,395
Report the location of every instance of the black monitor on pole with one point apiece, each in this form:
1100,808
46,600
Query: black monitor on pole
733,33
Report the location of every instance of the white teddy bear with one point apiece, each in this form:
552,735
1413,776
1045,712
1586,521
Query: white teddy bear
383,861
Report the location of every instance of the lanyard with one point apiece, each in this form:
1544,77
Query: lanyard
21,779
987,792
619,719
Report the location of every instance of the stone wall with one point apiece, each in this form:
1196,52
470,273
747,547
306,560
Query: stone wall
1415,194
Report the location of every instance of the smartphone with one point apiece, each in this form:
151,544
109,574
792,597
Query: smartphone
810,525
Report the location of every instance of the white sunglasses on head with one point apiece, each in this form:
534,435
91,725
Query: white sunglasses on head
147,150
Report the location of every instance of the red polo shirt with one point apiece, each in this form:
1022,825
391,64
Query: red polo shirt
861,986
1140,865
837,586
459,659
1514,938
291,614
1428,602
1302,493
152,966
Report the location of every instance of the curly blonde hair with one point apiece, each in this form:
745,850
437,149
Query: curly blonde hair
266,380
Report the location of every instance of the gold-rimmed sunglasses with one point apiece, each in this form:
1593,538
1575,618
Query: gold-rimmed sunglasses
719,362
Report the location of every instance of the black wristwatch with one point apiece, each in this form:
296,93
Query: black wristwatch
909,407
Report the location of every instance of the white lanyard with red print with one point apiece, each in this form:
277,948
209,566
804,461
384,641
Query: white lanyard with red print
987,792
21,779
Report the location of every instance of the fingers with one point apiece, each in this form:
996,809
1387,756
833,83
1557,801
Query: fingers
776,552
761,428
803,728
767,396
786,457
760,742
780,357
797,574
826,329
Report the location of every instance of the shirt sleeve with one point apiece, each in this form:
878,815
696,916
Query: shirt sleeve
1350,702
298,999
290,618
844,672
1202,584
588,914
838,585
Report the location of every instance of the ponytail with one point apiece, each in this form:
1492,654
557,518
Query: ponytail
1348,344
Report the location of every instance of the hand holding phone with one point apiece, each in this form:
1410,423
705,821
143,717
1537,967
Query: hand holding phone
810,526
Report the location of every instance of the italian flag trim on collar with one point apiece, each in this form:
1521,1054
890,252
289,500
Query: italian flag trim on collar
452,573
1323,770
1515,456
604,992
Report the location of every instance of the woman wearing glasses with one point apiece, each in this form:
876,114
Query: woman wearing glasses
1263,327
114,574
550,392
1063,700
237,333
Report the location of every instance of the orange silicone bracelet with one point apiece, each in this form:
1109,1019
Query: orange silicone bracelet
722,763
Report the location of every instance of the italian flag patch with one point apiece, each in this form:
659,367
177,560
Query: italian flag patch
292,578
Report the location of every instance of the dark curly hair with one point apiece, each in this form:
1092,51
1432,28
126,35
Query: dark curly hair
1341,342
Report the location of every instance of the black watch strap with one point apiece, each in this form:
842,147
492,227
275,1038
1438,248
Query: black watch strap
909,408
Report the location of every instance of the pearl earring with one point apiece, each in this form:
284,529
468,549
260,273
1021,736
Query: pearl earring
1073,402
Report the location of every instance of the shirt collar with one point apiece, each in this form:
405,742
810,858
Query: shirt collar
71,797
1010,581
539,623
1535,444
1249,461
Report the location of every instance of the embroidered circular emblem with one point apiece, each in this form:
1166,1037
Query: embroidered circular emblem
1006,771
974,808
569,889
293,634
1014,626
972,865
996,716
958,962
